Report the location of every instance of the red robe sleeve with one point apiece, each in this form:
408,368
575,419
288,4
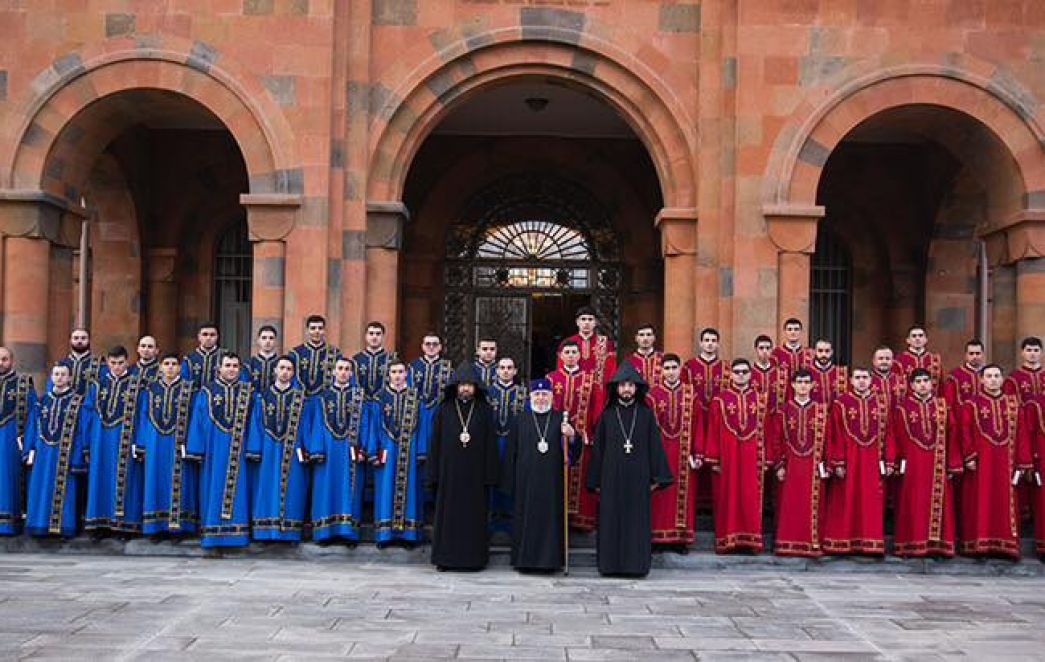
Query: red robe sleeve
836,441
1024,451
890,451
898,433
954,446
775,456
950,390
965,431
711,448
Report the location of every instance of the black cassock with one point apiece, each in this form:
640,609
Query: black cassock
624,473
534,479
461,475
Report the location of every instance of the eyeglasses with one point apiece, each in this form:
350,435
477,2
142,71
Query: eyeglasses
427,342
741,371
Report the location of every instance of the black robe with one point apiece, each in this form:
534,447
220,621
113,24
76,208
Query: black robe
534,480
460,477
624,481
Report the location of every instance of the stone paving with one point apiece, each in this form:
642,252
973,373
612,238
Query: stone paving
97,607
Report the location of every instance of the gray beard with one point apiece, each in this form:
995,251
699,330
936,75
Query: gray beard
541,410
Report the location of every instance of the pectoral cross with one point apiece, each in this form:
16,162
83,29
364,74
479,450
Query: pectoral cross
628,446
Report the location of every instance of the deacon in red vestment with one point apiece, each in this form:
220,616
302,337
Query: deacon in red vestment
918,356
598,352
963,382
995,450
646,358
829,379
706,370
928,458
1028,380
679,418
861,456
766,376
886,376
1034,419
791,355
574,392
735,447
797,435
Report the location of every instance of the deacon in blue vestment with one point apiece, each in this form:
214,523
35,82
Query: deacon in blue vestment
396,446
17,405
261,365
429,374
171,499
219,435
371,365
56,441
85,366
486,360
147,365
339,424
114,475
314,359
279,422
200,366
508,400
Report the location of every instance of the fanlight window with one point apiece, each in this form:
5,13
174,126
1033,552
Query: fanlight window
527,243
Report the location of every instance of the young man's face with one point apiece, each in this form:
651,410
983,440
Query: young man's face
80,341
917,339
861,381
645,339
570,356
117,365
802,386
506,370
229,370
922,385
61,376
709,344
170,368
974,356
763,351
283,372
1031,355
317,332
266,342
669,371
397,375
375,337
824,352
207,337
626,390
793,333
740,374
342,372
586,324
431,346
883,360
487,351
992,379
147,348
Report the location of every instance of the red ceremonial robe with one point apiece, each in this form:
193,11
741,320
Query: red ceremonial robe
1034,419
959,385
770,380
598,356
930,361
735,443
648,365
791,359
993,434
576,394
797,435
1025,383
860,442
828,383
927,451
708,377
679,418
893,384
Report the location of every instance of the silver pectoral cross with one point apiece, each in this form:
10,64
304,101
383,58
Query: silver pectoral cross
628,446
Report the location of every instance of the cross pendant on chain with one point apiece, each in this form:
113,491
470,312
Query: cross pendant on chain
628,446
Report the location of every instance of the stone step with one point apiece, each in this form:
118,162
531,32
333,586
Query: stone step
696,560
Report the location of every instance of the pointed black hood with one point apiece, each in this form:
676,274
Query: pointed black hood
627,373
465,374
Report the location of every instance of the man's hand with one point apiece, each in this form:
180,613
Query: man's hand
781,473
695,463
971,465
840,472
567,429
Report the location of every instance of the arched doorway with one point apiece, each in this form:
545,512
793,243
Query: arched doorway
524,255
528,201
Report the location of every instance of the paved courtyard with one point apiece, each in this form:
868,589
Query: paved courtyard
98,607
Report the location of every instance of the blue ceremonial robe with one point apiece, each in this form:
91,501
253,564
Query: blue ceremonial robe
371,369
17,406
150,371
171,496
429,378
260,369
279,422
114,475
57,436
200,367
219,435
86,369
487,372
340,420
508,401
314,365
397,436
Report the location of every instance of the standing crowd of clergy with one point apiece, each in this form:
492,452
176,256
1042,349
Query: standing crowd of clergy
280,446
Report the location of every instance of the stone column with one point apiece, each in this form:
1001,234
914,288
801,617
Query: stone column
38,232
161,297
678,247
270,218
792,229
1018,251
384,240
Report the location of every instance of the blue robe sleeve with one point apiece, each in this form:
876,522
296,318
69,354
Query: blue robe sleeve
186,369
141,440
314,444
255,431
374,440
196,442
366,424
87,428
32,431
423,437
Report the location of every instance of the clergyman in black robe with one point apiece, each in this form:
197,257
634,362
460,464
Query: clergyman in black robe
627,464
463,464
539,442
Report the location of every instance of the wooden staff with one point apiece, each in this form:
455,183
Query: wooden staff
565,498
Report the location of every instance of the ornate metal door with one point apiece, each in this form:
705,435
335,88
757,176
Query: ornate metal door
506,318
